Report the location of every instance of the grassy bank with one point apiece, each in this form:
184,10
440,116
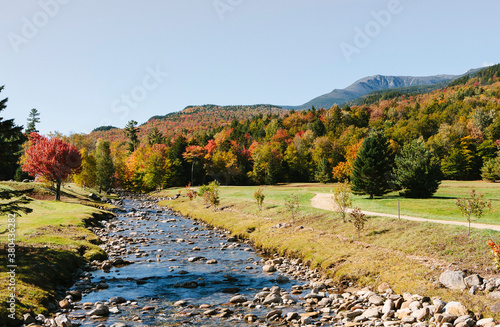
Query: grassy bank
51,242
407,255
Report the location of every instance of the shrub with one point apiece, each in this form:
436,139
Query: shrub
190,192
292,204
259,197
495,250
343,199
358,219
211,194
472,207
202,190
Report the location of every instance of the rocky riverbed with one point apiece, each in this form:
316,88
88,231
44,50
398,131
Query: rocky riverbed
164,269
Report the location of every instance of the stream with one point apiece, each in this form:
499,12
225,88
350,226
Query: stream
182,272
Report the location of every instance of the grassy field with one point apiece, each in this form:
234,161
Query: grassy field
408,255
51,242
441,206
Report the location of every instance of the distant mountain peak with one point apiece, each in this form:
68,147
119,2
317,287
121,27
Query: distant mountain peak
369,84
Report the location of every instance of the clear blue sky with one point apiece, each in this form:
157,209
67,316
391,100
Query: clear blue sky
86,63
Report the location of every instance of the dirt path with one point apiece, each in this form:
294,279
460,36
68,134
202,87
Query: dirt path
324,201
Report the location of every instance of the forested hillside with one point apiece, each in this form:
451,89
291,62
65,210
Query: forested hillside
459,125
190,121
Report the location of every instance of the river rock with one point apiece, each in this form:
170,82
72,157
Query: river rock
268,268
210,312
114,310
117,300
211,262
421,314
384,288
231,290
292,316
119,324
474,280
63,321
75,295
64,304
485,321
250,317
376,300
388,306
274,314
456,308
180,303
282,279
192,284
238,299
305,320
453,279
371,313
100,310
28,319
272,298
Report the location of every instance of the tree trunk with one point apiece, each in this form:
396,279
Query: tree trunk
192,171
58,191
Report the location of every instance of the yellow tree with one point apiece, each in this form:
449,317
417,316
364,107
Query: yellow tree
87,176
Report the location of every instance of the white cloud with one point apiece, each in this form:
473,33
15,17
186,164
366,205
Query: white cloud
487,64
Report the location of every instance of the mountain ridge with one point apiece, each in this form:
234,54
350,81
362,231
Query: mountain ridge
368,84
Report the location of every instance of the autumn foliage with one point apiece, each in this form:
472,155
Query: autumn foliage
51,159
458,126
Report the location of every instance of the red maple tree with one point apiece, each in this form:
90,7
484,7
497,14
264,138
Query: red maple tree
51,158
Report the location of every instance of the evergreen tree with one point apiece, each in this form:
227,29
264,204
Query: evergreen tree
323,173
155,137
372,166
415,172
11,141
180,169
491,170
104,166
131,131
32,121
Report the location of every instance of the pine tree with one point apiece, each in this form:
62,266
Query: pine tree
131,131
372,166
11,141
415,172
323,171
104,166
155,137
32,121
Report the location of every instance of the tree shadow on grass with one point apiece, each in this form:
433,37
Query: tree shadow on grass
378,232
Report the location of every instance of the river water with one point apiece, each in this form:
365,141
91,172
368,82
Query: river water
162,246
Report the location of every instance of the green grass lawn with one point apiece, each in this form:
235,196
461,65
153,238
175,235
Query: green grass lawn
442,206
51,242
